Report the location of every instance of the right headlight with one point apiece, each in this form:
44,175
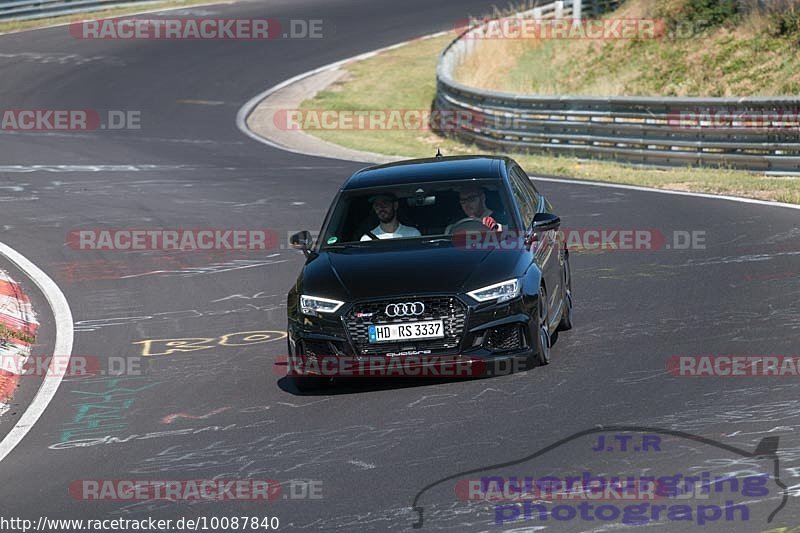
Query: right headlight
311,305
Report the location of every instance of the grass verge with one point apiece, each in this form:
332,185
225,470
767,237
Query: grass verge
18,25
404,78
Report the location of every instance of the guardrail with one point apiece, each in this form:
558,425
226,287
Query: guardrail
35,9
742,133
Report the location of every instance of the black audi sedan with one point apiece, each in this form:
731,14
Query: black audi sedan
447,262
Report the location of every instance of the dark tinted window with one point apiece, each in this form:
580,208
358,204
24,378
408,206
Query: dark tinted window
429,208
528,183
524,196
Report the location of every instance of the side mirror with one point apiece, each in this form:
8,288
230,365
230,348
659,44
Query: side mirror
302,241
545,222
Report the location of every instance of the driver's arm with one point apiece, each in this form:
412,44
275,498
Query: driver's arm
491,223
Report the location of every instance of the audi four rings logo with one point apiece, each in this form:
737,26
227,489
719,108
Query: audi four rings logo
405,309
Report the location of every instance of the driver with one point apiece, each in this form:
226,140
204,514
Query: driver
473,202
385,207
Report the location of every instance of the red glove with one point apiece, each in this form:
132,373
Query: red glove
490,223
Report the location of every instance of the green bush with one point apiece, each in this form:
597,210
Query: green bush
712,12
700,15
786,24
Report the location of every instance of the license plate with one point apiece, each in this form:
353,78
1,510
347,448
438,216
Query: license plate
409,331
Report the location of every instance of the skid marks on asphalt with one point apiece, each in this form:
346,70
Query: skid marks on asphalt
273,306
161,266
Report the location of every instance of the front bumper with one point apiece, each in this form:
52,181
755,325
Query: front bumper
481,339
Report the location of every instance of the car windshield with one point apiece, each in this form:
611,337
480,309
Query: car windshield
417,211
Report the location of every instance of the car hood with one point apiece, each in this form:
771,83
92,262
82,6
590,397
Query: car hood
354,274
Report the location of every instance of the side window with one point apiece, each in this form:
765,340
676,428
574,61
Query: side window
528,185
524,198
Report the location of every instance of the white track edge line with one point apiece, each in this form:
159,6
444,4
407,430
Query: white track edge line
666,191
245,111
62,347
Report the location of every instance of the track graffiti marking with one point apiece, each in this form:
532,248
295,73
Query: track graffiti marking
152,347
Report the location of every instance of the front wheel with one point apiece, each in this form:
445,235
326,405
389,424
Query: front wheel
566,305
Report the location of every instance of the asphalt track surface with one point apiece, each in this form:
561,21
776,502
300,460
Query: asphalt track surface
372,447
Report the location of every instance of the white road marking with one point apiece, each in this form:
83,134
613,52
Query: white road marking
250,105
361,464
665,191
63,345
200,102
92,168
62,59
216,268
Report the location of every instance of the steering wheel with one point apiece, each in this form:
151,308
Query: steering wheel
467,224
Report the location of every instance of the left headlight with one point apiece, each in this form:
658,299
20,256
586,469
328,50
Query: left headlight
311,305
505,290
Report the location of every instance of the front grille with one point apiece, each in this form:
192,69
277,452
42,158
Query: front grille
449,309
505,338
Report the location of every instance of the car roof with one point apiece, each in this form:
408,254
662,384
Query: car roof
430,169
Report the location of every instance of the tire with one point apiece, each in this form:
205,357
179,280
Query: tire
306,384
542,331
566,307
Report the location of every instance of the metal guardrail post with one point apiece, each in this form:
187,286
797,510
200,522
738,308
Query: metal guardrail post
576,9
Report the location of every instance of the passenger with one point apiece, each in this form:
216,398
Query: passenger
385,207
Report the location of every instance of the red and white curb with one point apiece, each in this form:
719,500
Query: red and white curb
18,327
64,329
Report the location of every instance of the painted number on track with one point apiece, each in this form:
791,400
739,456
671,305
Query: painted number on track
193,344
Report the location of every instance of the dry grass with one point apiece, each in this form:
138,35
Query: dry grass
743,59
489,62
